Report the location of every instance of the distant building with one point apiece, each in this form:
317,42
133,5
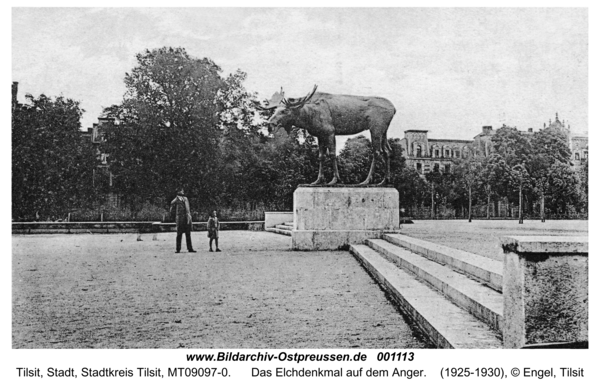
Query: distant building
103,177
15,90
577,144
426,155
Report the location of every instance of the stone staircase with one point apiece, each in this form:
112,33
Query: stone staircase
455,297
284,229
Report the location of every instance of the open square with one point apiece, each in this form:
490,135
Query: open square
111,291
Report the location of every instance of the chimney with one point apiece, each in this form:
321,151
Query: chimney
487,130
15,90
530,130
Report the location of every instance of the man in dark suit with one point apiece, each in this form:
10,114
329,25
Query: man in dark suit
183,219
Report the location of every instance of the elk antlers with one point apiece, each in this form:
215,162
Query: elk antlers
278,98
301,101
273,102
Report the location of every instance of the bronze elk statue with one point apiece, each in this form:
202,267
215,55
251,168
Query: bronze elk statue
325,116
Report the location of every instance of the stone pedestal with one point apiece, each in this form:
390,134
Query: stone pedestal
545,288
332,218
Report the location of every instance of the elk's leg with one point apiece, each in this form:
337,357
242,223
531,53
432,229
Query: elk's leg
332,149
387,150
322,151
376,145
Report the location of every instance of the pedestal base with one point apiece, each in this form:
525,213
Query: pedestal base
332,240
332,218
545,288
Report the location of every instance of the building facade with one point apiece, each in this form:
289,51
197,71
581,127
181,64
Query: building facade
103,177
425,154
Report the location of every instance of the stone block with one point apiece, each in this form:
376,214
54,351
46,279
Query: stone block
545,288
333,217
302,200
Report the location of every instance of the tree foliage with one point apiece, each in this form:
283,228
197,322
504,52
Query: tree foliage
165,133
52,167
513,145
181,124
538,165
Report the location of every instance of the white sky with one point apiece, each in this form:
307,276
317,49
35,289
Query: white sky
447,70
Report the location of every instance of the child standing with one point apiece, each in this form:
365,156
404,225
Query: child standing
213,231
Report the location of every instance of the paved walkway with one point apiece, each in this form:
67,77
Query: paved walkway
112,291
482,237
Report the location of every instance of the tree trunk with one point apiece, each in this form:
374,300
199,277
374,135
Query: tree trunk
520,204
470,216
432,201
542,209
489,197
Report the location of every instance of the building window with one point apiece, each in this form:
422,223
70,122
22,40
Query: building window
584,154
419,168
576,156
447,168
436,167
418,150
447,153
437,153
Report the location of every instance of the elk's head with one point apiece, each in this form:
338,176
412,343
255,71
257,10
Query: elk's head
285,111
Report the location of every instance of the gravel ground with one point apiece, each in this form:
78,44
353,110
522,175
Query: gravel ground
483,236
112,291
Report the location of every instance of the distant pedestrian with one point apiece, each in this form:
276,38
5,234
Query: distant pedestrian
183,219
213,231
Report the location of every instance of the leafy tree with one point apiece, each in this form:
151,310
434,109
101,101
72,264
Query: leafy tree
493,177
412,188
240,143
354,160
514,146
468,171
550,149
440,187
520,178
166,131
582,187
563,187
238,106
52,167
551,143
284,163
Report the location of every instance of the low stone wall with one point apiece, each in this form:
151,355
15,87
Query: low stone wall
202,226
119,227
80,227
545,287
272,219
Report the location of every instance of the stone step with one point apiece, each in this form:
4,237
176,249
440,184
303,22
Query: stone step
484,269
480,300
447,325
284,227
289,224
279,231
